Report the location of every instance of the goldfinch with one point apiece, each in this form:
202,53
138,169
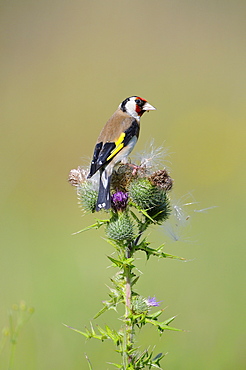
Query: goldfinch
115,143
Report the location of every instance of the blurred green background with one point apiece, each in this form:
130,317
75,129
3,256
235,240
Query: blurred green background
65,67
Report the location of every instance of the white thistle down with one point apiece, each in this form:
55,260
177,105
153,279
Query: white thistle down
152,156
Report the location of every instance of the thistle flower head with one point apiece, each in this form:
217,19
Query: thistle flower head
119,201
161,179
77,176
141,304
151,302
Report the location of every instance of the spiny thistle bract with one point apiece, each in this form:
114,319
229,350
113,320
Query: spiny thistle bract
139,305
150,198
120,227
86,189
87,196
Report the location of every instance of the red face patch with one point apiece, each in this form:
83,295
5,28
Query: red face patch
139,105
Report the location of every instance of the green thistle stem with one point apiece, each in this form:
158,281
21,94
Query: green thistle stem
128,329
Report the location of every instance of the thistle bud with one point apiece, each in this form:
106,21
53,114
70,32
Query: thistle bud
87,196
143,305
139,305
120,227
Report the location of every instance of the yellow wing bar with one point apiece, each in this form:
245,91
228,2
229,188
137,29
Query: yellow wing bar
118,146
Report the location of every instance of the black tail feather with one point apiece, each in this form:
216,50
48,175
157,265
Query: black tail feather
104,197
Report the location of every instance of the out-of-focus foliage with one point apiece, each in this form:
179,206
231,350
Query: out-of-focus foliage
64,68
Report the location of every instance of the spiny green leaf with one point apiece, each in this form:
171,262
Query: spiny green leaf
166,322
128,261
143,246
101,330
136,218
166,327
119,245
124,262
134,281
76,330
113,335
155,314
92,329
158,357
116,262
145,213
161,325
96,225
104,309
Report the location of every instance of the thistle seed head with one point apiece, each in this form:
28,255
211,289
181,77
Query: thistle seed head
77,176
161,179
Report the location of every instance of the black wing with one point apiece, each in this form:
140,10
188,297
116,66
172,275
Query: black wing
103,154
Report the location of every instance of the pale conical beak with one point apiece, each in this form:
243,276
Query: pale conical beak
147,107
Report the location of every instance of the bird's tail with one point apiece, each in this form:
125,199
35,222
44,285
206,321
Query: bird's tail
104,197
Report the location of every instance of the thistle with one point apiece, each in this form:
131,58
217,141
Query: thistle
119,201
87,196
120,227
150,198
139,198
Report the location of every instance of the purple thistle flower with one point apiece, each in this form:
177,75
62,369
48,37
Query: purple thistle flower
151,302
119,201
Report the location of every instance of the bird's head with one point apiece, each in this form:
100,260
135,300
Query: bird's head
135,106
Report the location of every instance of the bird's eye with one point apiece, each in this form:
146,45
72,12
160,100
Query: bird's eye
138,101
